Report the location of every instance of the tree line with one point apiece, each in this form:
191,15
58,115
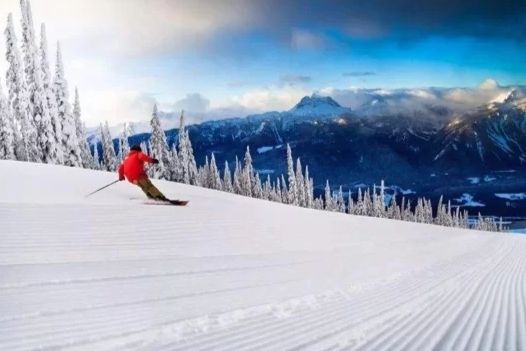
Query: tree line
37,120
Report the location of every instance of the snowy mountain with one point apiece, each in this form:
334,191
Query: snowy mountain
492,134
110,272
318,106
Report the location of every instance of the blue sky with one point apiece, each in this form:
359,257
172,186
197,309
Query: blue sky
231,57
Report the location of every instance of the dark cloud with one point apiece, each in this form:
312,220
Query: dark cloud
359,74
403,19
292,79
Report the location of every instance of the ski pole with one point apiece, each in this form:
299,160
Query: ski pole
104,187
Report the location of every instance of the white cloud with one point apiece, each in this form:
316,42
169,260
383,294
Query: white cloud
270,98
116,106
193,103
134,27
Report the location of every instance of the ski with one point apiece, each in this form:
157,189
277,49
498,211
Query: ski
166,203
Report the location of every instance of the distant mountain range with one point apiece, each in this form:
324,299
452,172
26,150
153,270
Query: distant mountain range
421,139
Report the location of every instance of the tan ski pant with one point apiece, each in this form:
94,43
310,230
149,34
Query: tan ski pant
149,189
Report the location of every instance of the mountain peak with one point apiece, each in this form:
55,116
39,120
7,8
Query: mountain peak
489,84
318,105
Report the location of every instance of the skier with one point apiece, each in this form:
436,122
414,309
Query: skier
133,169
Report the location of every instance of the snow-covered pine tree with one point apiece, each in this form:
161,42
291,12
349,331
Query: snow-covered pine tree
7,141
186,155
50,98
278,192
108,151
300,184
247,178
37,95
237,178
227,179
80,129
292,186
204,174
309,189
257,188
340,201
350,203
70,142
176,164
329,201
160,151
26,145
284,190
96,157
215,178
267,189
359,208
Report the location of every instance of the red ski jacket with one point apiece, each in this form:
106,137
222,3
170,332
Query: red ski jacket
133,166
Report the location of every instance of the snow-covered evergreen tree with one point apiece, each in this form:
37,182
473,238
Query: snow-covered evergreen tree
214,177
329,201
227,179
108,151
85,154
292,186
70,141
96,157
236,184
56,125
300,184
25,134
7,141
37,94
160,151
247,176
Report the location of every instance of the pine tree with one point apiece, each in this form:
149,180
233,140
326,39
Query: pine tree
51,100
108,151
237,178
215,179
96,158
176,162
227,179
329,202
7,142
160,151
85,154
247,178
37,95
26,146
70,142
292,186
300,184
341,201
257,188
309,189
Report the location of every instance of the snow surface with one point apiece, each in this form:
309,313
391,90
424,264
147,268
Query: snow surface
232,273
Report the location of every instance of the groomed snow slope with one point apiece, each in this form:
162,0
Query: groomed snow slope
232,273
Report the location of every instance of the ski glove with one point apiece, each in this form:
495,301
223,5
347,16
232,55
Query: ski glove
155,161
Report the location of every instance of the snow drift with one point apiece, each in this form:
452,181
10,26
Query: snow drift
229,272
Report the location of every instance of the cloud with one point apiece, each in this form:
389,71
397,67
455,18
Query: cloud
270,98
359,74
193,103
306,40
116,106
293,79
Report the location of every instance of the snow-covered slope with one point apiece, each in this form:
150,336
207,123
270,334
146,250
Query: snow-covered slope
232,273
